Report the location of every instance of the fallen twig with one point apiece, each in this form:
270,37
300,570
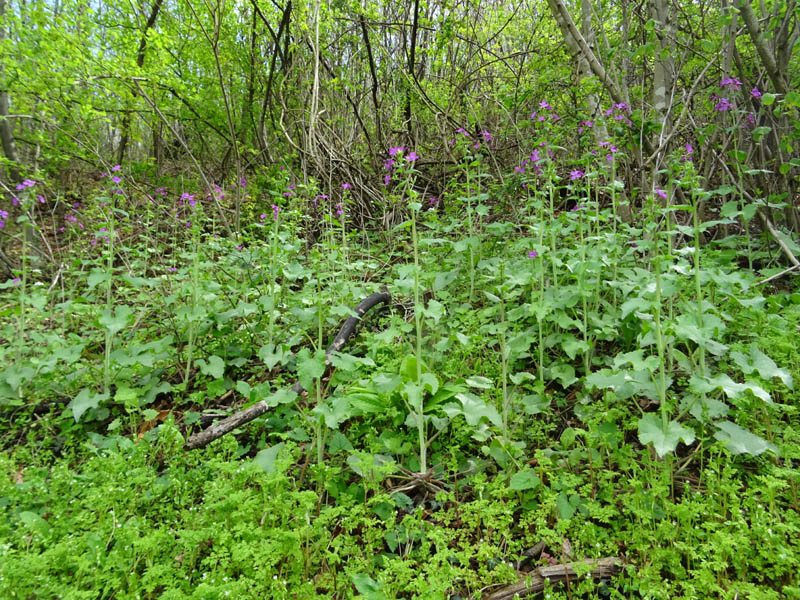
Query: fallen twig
534,582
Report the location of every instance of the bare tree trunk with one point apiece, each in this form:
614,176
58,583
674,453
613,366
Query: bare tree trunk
585,71
6,131
762,46
663,76
126,119
374,75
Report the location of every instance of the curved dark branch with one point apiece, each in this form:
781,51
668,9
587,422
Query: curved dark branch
205,437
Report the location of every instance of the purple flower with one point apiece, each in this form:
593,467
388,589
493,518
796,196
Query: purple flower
243,182
689,149
462,130
519,169
661,193
188,224
186,197
412,156
723,105
487,137
262,216
340,209
756,93
395,149
387,179
26,184
347,186
433,201
116,168
40,198
535,156
3,217
532,254
275,210
116,179
172,269
751,120
545,104
573,175
731,83
533,115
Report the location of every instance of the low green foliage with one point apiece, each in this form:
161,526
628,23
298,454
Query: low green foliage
602,387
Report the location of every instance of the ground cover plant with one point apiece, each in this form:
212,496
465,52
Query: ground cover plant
573,371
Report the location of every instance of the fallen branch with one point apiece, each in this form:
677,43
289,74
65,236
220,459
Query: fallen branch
534,582
217,430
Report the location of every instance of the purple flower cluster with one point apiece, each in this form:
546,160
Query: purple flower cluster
723,104
3,218
533,161
476,143
731,83
612,150
27,183
540,117
619,112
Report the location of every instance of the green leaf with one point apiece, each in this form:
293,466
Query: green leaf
85,400
705,408
732,389
564,372
214,366
34,522
348,362
664,438
430,381
339,442
408,369
566,508
271,354
768,99
367,587
534,404
282,396
310,367
334,410
766,367
740,441
413,394
96,277
524,480
480,382
117,321
244,388
126,395
434,311
267,457
474,409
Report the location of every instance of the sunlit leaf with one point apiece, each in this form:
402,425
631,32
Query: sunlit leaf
740,441
664,437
